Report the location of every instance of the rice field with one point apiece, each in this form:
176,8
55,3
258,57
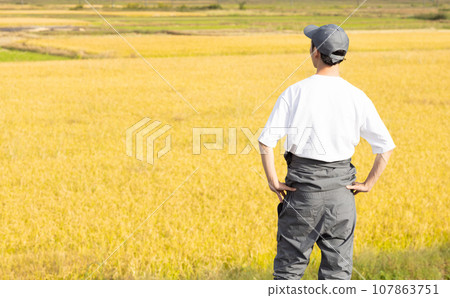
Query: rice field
70,195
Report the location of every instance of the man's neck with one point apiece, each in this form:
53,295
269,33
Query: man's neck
326,70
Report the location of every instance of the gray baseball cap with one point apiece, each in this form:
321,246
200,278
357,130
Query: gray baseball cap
328,39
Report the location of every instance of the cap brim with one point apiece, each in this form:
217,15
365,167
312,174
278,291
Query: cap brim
310,30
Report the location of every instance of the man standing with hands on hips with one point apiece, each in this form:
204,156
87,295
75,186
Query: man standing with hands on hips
324,117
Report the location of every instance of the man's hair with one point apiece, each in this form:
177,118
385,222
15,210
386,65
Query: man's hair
326,59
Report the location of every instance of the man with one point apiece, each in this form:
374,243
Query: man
324,117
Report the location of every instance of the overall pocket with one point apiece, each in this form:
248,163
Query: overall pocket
281,208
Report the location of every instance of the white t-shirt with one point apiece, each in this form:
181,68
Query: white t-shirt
324,118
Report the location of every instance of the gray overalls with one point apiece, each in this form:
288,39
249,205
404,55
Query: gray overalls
321,210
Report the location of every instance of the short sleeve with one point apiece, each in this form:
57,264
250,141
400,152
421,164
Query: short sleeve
374,131
277,125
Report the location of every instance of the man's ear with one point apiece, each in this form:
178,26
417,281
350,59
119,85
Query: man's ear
316,54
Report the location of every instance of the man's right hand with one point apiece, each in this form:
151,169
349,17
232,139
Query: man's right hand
358,187
378,167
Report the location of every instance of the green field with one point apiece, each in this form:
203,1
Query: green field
15,55
258,16
425,264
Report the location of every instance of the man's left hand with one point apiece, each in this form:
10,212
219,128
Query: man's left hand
280,189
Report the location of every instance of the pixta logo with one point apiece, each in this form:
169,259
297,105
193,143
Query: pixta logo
146,132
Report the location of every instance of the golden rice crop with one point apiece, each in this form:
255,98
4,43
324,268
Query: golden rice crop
175,45
34,21
70,195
